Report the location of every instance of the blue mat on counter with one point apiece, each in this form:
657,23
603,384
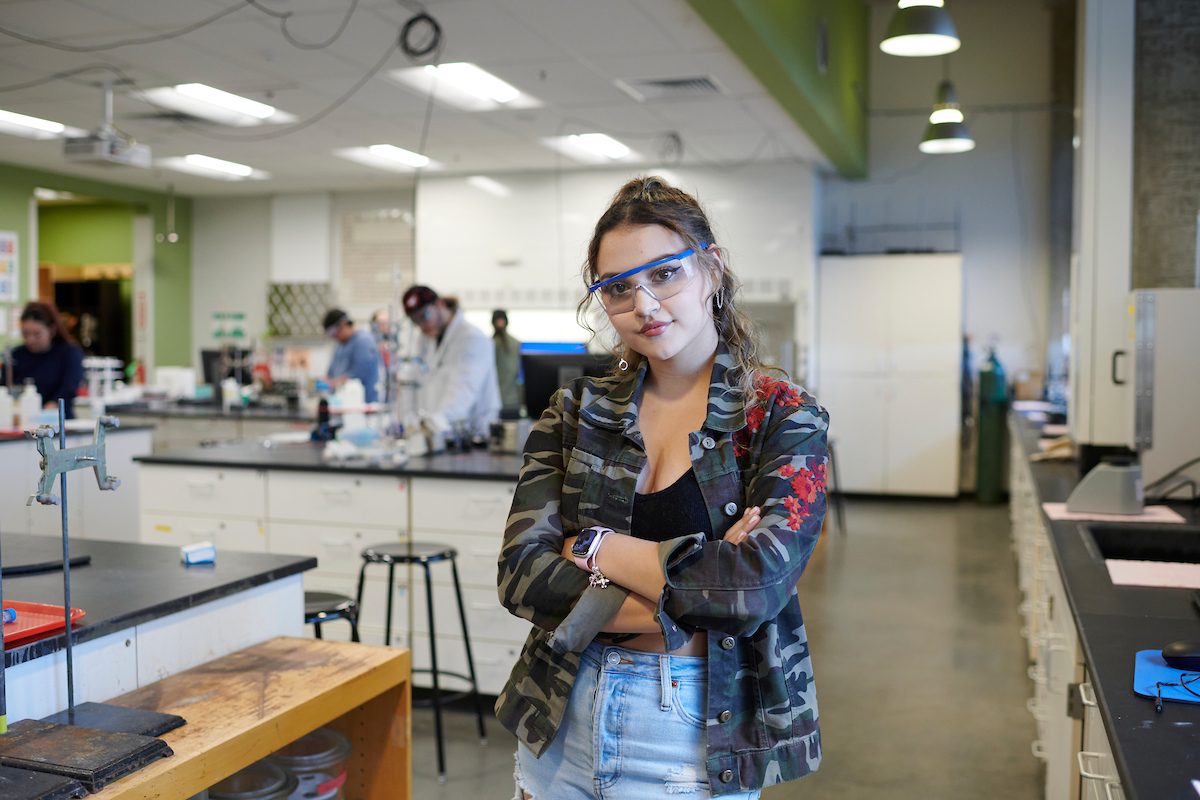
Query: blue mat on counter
1149,668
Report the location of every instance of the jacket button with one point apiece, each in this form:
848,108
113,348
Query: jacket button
726,775
724,716
731,509
708,443
727,643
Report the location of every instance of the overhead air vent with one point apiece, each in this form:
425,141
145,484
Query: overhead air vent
671,88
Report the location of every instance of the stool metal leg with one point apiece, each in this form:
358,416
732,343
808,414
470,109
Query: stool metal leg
391,590
317,629
437,694
462,616
362,577
352,618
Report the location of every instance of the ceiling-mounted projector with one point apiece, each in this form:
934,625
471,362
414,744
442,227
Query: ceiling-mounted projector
106,145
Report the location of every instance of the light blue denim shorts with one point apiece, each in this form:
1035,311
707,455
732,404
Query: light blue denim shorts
633,730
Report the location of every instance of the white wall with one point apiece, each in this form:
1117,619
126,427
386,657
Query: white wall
999,191
525,251
231,257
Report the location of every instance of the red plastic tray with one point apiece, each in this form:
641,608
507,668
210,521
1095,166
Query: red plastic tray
34,620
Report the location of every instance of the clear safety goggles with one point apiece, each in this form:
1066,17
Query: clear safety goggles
665,278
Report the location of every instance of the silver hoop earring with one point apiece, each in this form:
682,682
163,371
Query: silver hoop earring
623,365
720,299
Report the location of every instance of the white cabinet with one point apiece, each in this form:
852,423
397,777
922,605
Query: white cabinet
468,515
182,505
889,359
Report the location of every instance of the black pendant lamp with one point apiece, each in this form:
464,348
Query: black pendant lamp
947,131
920,28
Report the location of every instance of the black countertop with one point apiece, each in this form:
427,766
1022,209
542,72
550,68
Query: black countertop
306,457
127,584
1157,755
207,411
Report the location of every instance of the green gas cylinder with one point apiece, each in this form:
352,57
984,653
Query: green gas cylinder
993,407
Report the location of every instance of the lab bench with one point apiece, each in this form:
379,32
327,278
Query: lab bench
1099,740
109,515
180,426
286,499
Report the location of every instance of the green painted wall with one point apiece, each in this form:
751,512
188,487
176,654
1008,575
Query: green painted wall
94,234
172,263
777,41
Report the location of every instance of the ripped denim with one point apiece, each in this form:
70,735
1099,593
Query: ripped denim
634,730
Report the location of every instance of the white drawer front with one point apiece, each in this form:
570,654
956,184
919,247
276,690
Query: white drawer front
460,505
338,549
202,490
350,500
228,534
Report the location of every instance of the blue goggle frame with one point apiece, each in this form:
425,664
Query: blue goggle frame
629,272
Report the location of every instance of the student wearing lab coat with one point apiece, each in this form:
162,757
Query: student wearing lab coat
459,381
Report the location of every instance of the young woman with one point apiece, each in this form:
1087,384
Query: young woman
48,357
661,520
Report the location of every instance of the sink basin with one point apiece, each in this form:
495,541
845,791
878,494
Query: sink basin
1178,543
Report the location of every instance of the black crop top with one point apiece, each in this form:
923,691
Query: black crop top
675,511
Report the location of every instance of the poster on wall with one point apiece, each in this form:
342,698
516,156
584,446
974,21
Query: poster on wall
8,267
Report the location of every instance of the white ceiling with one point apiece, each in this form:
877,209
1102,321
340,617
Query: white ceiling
566,53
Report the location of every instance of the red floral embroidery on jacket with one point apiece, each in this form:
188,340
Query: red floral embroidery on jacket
807,484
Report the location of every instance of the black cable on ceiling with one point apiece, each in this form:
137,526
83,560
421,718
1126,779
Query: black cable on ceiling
284,16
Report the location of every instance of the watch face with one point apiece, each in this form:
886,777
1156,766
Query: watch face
584,542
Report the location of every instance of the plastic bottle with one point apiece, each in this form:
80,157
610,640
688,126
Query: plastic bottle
6,409
231,394
29,406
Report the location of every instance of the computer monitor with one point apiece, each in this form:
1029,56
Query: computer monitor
211,361
545,373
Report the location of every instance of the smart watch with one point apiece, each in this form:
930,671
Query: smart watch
587,544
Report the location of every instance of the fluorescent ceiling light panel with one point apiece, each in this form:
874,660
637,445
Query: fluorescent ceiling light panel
591,148
35,127
909,3
206,102
209,167
50,195
388,156
464,86
486,184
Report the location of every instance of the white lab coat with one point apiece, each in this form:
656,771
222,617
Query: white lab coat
459,380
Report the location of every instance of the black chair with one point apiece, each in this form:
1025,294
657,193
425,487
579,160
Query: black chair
424,554
322,607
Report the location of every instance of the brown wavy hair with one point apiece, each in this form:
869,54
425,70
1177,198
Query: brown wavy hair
47,314
650,200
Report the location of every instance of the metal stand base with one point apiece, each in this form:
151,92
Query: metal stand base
21,784
92,757
118,719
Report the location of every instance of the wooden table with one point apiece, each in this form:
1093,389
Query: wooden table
244,706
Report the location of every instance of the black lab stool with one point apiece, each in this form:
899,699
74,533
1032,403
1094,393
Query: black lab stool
322,607
424,554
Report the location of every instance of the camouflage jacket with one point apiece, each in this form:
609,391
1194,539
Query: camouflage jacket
582,461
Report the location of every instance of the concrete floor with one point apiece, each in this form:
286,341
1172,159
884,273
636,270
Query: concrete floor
912,617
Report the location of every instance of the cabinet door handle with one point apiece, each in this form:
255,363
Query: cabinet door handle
206,486
1038,749
1116,357
1032,706
335,492
1087,694
1108,787
1084,772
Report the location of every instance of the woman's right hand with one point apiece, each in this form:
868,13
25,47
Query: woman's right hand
739,530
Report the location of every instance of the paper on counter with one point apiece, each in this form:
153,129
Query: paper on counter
1154,514
1164,574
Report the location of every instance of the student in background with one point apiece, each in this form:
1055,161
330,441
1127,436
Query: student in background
460,385
356,355
49,357
508,365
